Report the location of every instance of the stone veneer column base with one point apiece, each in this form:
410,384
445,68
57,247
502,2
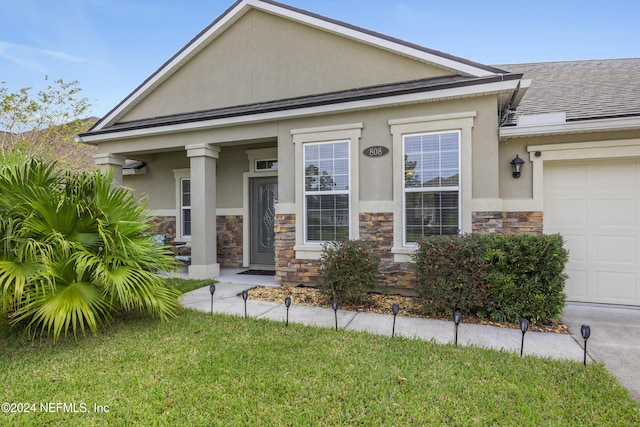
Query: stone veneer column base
230,245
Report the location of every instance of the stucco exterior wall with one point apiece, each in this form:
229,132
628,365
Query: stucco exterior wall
282,55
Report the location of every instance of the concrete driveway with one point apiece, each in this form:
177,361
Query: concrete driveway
614,341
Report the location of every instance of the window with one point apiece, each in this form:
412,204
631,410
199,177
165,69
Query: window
326,191
266,165
431,185
185,207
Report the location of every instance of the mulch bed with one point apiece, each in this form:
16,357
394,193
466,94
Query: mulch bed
379,303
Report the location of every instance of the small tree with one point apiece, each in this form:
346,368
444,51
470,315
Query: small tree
44,123
349,270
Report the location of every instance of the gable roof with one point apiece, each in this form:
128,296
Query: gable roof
432,57
584,90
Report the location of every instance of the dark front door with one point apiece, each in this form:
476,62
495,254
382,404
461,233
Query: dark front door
264,193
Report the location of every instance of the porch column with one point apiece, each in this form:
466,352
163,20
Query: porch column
113,161
203,159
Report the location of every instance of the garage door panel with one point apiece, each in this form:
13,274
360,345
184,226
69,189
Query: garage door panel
576,284
615,250
576,244
616,287
565,212
615,213
595,206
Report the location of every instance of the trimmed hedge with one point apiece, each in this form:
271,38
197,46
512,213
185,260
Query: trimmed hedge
503,277
349,270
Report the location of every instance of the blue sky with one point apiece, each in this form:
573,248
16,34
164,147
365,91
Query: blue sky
111,46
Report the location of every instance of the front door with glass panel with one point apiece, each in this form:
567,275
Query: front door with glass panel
264,194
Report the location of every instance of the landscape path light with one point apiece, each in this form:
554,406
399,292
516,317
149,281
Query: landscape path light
245,295
287,303
212,289
395,309
457,318
585,330
524,326
334,304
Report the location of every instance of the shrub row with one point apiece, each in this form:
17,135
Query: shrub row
497,276
503,277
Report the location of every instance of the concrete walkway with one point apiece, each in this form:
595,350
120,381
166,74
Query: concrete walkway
615,336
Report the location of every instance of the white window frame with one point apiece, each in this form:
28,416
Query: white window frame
324,192
428,189
462,122
179,176
351,132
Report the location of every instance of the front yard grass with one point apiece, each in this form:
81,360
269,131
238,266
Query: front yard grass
203,369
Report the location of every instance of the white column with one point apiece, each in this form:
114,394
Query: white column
203,159
113,161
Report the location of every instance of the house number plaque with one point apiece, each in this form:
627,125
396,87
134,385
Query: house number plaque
375,151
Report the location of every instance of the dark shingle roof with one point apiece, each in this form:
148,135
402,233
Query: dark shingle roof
584,90
338,97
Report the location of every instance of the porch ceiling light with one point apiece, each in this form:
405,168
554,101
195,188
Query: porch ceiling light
516,166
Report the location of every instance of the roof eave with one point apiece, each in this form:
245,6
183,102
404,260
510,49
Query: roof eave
572,127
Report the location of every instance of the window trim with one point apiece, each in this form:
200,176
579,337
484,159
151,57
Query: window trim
307,193
463,122
428,189
180,175
348,132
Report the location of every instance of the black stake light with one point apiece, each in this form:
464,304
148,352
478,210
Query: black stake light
395,308
585,330
457,318
524,326
245,295
287,303
212,289
334,304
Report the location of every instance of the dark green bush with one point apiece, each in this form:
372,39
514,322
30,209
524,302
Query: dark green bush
451,275
505,277
527,276
349,270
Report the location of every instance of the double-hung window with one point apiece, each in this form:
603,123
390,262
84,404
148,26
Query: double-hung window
185,207
431,185
326,191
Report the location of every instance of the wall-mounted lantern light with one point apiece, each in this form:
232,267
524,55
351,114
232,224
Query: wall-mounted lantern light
516,166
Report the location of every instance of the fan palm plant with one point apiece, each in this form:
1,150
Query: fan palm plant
74,249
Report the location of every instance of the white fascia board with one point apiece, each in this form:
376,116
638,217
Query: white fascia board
602,125
450,93
371,39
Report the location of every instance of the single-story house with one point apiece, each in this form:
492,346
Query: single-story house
276,129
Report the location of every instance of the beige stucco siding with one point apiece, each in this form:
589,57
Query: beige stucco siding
375,174
282,59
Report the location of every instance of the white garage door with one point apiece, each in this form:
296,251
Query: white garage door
595,205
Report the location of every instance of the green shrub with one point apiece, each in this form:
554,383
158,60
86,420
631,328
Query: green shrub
349,270
451,275
527,276
505,277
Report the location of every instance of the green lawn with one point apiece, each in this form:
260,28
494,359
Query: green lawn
203,369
